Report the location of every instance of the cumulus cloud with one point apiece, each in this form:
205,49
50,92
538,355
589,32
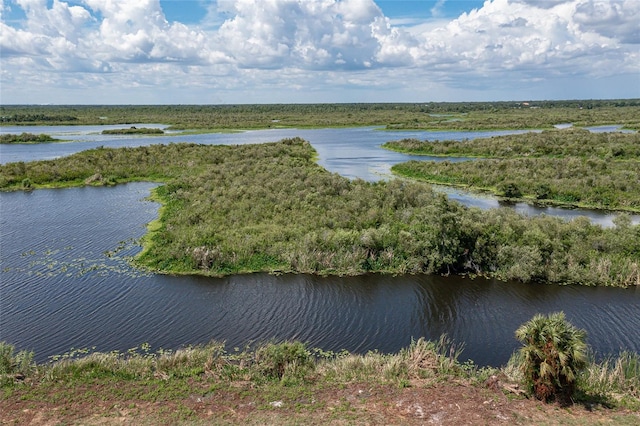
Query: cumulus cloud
312,43
508,36
138,31
617,20
310,34
542,4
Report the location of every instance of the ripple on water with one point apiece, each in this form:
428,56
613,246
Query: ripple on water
61,290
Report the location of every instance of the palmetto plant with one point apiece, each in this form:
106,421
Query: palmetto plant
553,354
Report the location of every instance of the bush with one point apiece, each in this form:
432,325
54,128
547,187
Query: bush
554,353
510,190
275,360
542,191
20,363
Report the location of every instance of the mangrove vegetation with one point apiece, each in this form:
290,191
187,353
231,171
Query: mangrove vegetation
271,207
571,142
563,167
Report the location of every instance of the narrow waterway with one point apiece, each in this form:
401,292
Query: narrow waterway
351,152
66,283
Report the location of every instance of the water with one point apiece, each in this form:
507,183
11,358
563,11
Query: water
66,283
65,280
351,152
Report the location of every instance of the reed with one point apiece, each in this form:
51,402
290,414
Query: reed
613,382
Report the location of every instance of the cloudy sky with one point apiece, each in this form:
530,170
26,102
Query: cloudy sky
307,51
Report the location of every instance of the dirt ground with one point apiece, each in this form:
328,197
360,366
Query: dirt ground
444,403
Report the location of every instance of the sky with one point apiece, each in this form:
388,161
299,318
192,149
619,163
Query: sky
316,51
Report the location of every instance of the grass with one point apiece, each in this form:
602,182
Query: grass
286,364
134,131
287,381
26,138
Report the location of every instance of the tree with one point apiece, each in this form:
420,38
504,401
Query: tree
554,352
510,190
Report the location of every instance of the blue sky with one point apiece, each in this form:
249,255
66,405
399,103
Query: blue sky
191,11
305,51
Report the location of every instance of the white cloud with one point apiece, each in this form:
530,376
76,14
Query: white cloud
314,46
618,20
309,34
543,4
503,37
437,9
138,31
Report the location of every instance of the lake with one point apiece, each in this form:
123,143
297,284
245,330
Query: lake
351,152
66,282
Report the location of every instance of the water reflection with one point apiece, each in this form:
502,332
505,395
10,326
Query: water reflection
486,202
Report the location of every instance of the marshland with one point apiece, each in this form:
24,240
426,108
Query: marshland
279,233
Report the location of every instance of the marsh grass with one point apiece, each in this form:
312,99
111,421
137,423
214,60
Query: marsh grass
289,363
272,208
134,131
432,115
15,363
560,167
616,380
274,367
26,138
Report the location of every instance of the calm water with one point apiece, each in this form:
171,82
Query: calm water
65,282
351,152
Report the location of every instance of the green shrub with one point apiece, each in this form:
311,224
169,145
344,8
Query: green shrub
275,360
542,191
11,363
510,190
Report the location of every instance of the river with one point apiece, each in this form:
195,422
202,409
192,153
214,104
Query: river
66,282
351,152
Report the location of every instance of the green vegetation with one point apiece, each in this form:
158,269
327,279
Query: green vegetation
553,355
288,377
270,207
547,144
134,131
12,363
589,183
25,138
431,115
562,167
518,116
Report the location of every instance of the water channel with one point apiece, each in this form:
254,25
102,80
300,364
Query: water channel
66,283
351,152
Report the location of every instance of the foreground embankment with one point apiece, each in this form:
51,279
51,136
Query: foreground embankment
288,383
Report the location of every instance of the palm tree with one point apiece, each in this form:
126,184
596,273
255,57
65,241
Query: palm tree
554,352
